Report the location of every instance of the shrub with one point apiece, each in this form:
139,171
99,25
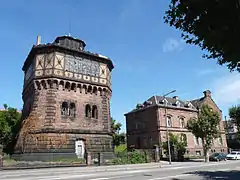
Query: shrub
120,148
133,157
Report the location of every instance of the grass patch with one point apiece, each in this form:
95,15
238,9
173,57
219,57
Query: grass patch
120,148
134,157
8,161
68,160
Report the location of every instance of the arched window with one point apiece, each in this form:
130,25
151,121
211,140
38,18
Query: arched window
64,109
94,112
182,123
184,138
88,111
169,121
72,110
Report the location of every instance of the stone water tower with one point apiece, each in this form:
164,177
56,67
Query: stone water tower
66,97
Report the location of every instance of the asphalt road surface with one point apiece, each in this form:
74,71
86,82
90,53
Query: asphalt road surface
229,170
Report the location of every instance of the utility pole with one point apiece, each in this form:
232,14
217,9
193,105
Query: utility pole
168,141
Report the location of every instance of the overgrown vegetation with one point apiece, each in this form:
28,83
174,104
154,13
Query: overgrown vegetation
10,124
133,157
205,127
118,138
120,148
177,145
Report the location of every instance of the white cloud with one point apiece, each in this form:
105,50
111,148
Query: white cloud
172,44
226,89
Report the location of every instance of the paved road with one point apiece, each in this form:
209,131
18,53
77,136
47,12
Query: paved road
229,170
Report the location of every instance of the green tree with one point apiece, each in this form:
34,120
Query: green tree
177,146
10,124
234,114
205,127
116,127
5,130
213,25
118,138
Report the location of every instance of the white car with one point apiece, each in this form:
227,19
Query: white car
235,155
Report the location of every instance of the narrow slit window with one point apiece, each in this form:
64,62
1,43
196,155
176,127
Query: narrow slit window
88,111
72,110
94,112
64,109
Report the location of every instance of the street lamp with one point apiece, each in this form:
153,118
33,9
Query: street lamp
168,142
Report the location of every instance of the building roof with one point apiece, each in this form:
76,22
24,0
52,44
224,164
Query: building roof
170,102
66,44
197,102
174,102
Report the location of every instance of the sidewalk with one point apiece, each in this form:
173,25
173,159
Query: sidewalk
83,167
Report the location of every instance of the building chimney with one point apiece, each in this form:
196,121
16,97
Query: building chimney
207,93
38,40
175,97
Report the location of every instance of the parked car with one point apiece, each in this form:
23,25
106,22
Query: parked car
218,157
234,155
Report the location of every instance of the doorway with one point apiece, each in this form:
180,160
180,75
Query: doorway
79,148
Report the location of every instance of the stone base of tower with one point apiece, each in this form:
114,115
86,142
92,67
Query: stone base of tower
39,146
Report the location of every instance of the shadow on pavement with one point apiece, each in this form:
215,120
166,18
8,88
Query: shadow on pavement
216,175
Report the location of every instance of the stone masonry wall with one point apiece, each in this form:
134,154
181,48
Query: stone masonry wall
142,127
45,127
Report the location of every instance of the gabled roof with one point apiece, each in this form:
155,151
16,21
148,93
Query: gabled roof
197,102
170,103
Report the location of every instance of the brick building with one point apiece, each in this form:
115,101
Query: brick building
146,124
66,97
230,129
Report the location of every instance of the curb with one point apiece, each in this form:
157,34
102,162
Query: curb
41,167
97,168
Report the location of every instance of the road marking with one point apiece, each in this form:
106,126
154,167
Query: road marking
52,177
113,177
66,174
176,176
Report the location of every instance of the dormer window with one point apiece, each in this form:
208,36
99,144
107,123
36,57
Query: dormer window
164,101
139,106
177,103
188,104
147,103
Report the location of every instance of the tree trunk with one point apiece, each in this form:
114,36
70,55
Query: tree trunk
206,153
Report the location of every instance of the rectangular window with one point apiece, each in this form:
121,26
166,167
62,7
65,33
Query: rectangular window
198,153
220,140
196,140
169,122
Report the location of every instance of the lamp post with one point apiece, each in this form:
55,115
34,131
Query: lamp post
168,142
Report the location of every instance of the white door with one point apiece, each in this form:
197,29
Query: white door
79,148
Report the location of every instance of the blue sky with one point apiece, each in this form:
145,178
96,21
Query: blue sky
149,56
